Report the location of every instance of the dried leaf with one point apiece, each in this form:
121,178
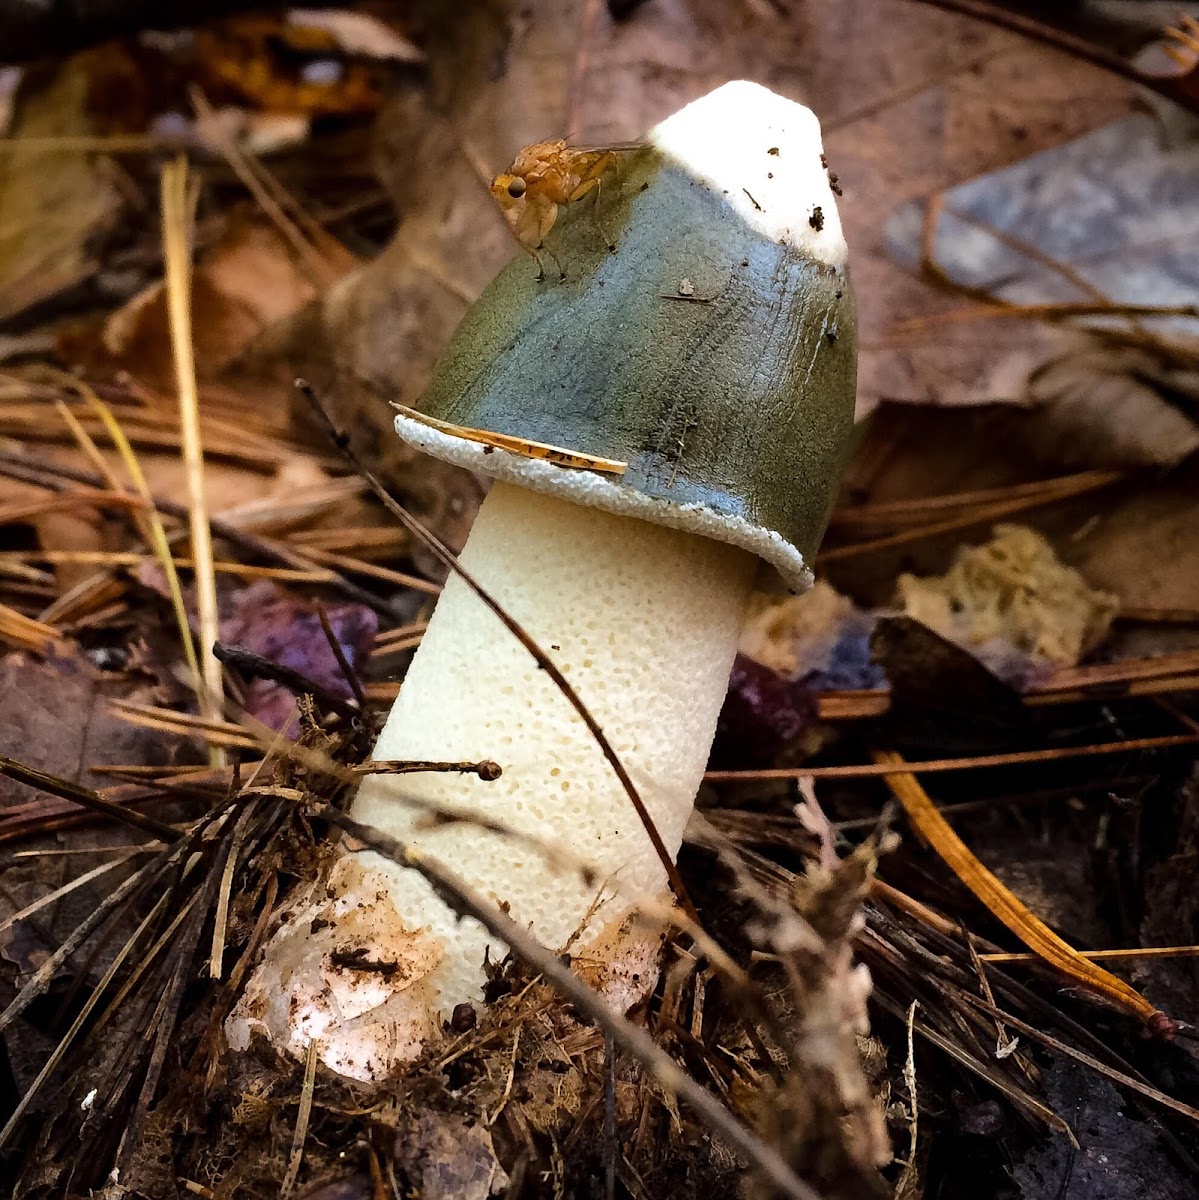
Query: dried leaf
55,209
1112,408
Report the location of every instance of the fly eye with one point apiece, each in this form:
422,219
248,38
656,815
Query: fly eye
516,188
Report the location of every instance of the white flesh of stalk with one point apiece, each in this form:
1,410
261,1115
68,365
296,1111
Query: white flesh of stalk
644,622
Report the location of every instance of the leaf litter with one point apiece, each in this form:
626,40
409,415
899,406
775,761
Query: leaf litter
1071,641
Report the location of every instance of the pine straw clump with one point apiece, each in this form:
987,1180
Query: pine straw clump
519,1095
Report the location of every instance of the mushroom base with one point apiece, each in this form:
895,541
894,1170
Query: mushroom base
644,622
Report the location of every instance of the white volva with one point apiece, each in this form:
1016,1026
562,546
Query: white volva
643,621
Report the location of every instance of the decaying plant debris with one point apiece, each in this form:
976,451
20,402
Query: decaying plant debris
943,863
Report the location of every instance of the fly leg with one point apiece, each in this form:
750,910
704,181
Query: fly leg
537,252
593,183
531,228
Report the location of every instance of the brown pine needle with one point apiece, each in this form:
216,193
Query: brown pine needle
319,271
893,512
303,1114
1002,904
984,312
217,731
130,558
1089,482
1015,759
25,632
178,203
1131,952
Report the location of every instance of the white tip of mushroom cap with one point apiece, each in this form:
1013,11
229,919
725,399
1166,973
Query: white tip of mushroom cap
762,154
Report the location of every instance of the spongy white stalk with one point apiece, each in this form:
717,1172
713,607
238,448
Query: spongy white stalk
643,621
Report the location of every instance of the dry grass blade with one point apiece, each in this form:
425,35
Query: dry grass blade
177,216
158,535
1028,927
220,920
302,1116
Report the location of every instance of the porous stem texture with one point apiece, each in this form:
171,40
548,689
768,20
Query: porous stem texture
643,621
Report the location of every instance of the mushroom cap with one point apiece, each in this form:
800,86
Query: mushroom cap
713,352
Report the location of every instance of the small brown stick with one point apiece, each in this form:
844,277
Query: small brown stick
486,770
439,549
1018,758
256,667
459,897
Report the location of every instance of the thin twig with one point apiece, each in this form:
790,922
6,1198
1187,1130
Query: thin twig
84,796
486,770
343,663
254,666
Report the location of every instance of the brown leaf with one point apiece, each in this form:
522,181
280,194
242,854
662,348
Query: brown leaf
1099,408
56,209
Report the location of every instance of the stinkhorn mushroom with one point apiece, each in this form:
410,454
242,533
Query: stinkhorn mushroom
698,384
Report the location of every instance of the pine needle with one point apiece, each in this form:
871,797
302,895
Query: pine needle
155,530
178,205
25,632
305,1112
1001,902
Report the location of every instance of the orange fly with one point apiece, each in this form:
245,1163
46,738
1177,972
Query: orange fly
544,178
